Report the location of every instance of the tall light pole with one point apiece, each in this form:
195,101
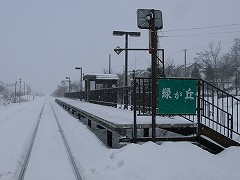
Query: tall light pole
133,34
80,88
68,83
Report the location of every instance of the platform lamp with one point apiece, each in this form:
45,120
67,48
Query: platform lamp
80,88
132,34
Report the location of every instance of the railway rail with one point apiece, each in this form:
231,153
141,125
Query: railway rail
27,157
69,152
71,159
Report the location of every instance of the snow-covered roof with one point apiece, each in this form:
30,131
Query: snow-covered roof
101,77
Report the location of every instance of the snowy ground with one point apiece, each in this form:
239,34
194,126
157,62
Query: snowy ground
168,161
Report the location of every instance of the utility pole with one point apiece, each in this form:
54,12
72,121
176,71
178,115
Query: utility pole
109,64
152,20
27,92
236,81
153,49
185,62
20,81
33,93
24,89
15,92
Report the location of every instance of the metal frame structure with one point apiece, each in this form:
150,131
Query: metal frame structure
217,114
131,34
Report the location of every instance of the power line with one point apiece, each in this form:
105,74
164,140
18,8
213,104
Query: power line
206,27
199,47
200,34
204,45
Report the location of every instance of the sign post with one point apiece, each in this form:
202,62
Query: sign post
177,96
152,20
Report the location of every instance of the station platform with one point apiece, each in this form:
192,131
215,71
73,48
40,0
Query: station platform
114,125
123,117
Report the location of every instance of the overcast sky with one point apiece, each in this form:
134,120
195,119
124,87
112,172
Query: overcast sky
42,41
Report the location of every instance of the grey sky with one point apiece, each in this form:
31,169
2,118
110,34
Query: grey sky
41,41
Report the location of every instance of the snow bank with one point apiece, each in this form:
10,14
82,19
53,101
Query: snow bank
171,160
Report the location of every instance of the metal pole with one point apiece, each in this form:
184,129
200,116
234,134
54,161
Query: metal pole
27,93
121,33
134,110
163,63
24,89
69,85
15,95
33,93
20,81
199,84
236,81
109,64
126,72
185,62
154,72
81,85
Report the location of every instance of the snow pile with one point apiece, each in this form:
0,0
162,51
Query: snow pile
171,160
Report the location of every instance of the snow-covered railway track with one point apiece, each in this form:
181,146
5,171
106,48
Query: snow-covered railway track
47,147
26,159
70,155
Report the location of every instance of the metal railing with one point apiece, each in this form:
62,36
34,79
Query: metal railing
110,96
217,109
75,95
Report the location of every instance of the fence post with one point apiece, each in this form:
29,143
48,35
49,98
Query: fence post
198,108
230,125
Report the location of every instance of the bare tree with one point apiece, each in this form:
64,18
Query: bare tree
235,53
211,59
196,73
59,92
6,95
210,56
169,68
74,86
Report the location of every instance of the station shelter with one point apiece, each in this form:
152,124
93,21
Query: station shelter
99,81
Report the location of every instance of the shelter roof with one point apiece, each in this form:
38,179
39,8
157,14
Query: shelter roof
100,77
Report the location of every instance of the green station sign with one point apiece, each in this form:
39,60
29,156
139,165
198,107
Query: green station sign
177,96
